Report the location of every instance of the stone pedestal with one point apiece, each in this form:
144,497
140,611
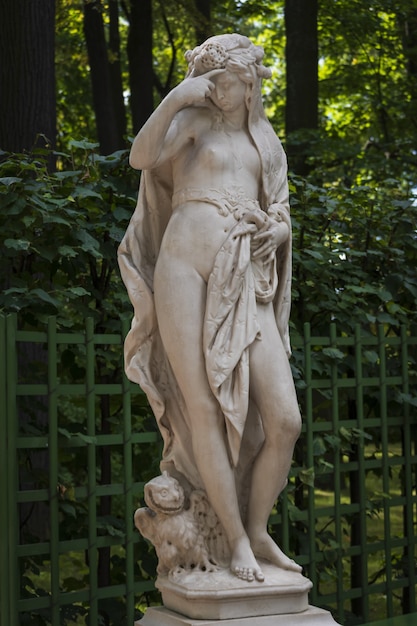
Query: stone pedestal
221,595
221,599
312,616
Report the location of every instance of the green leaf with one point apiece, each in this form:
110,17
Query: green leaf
15,290
84,144
17,244
116,233
371,356
319,447
85,192
52,218
79,291
69,509
315,254
67,174
9,180
346,434
67,251
334,353
65,432
43,295
307,476
89,244
28,220
86,438
407,398
121,214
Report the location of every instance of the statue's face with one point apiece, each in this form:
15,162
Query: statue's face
229,91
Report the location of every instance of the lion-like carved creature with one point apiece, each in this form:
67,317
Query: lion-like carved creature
184,538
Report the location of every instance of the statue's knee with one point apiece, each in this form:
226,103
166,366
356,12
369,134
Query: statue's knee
294,425
287,429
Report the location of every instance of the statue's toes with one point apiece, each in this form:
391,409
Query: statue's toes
259,575
295,567
249,574
244,573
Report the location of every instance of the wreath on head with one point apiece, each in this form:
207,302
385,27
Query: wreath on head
238,54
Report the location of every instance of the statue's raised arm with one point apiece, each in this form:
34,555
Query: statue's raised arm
165,133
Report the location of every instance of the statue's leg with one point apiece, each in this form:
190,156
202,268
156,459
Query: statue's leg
180,305
272,389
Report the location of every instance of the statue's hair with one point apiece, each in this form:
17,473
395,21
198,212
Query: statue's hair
233,52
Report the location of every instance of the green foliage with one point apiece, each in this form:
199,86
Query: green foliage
60,233
75,114
354,263
355,254
366,87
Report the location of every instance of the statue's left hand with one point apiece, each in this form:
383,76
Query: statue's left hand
267,240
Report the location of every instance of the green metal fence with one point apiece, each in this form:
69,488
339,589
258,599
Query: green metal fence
77,442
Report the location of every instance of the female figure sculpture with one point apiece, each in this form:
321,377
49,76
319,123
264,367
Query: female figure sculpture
206,261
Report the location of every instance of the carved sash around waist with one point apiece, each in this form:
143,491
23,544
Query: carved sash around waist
227,201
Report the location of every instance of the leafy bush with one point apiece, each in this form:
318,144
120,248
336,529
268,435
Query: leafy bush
60,233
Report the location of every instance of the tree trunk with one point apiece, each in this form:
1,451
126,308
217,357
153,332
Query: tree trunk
139,50
108,132
27,74
115,68
301,55
203,20
408,29
27,121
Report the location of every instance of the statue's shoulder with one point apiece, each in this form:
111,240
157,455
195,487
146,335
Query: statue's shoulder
195,117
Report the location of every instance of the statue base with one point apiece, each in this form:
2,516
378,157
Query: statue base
312,616
222,596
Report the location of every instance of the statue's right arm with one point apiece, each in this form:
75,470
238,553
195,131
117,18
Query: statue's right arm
170,126
162,129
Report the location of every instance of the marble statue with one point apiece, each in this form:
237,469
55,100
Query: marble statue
206,261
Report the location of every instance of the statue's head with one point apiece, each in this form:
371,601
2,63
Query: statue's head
233,52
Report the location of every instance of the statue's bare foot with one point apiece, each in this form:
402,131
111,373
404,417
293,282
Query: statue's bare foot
243,563
264,547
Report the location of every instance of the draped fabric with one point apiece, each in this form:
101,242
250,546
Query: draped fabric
230,326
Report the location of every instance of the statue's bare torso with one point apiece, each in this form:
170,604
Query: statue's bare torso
213,159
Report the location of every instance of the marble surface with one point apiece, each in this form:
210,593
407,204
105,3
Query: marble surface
312,616
206,261
220,595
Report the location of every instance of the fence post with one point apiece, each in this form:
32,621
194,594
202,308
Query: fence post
359,562
9,574
53,467
4,544
128,490
335,416
408,595
312,569
93,555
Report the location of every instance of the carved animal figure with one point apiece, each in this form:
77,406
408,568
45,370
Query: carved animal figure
180,535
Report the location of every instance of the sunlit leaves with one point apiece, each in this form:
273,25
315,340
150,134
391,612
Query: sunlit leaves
363,81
